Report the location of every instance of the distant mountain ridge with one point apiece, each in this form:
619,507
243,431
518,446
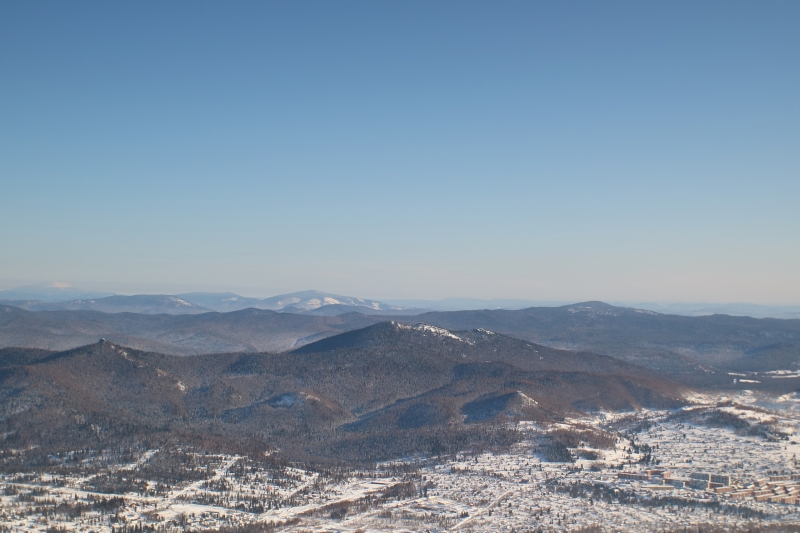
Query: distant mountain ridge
63,296
733,309
248,330
687,348
465,304
311,302
140,303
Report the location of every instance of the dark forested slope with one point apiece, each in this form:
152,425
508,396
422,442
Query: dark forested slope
669,343
385,390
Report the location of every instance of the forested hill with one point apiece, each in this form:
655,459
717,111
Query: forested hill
667,343
395,390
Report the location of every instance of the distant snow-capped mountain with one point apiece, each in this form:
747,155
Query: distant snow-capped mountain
62,298
312,302
308,300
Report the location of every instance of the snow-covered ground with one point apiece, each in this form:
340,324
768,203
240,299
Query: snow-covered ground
623,486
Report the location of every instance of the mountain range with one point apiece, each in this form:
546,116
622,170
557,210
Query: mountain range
672,344
304,302
358,387
248,330
374,393
733,309
58,296
297,302
141,303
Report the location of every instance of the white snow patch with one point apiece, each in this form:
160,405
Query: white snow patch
783,374
527,401
427,328
178,301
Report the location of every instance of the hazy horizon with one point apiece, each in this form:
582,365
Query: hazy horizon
405,302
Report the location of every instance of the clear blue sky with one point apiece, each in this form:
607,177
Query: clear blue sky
543,150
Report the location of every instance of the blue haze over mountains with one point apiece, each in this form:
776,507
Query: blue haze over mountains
417,372
206,323
56,297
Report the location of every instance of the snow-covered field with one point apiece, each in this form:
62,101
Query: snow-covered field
622,486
